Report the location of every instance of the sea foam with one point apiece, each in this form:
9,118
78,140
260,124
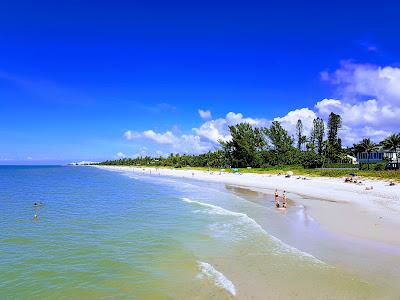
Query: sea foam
245,219
219,279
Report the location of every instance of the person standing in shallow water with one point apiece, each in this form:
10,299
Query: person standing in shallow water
284,199
276,198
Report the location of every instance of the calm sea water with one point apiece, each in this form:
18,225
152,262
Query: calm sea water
124,235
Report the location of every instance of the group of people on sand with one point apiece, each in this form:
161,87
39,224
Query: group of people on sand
284,199
352,180
358,182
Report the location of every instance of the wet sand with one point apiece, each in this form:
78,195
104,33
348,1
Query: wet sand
373,259
345,217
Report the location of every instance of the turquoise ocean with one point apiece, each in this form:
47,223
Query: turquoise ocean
129,235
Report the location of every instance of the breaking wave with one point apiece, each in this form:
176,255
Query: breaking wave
219,279
245,219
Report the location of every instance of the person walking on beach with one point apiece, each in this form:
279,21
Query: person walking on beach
284,198
276,198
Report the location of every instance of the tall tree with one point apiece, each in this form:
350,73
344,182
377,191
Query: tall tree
279,137
334,144
299,133
392,143
244,146
366,145
317,134
334,124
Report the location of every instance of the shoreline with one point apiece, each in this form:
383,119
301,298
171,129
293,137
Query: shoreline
343,208
346,234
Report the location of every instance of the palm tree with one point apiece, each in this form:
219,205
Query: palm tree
392,143
366,145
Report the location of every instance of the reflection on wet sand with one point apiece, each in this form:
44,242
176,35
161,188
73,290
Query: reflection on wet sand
299,227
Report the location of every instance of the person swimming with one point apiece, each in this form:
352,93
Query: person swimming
35,218
38,204
284,198
276,198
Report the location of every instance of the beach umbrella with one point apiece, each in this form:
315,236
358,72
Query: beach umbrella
290,173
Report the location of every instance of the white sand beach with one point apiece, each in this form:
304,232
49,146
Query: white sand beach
343,208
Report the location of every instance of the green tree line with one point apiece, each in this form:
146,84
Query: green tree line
271,146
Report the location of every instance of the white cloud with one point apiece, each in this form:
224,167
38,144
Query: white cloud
130,135
364,80
351,135
189,143
121,155
162,138
213,130
369,100
169,142
218,129
363,119
206,136
369,112
289,121
326,106
204,114
236,118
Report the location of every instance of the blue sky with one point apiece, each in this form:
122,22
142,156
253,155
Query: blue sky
84,80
